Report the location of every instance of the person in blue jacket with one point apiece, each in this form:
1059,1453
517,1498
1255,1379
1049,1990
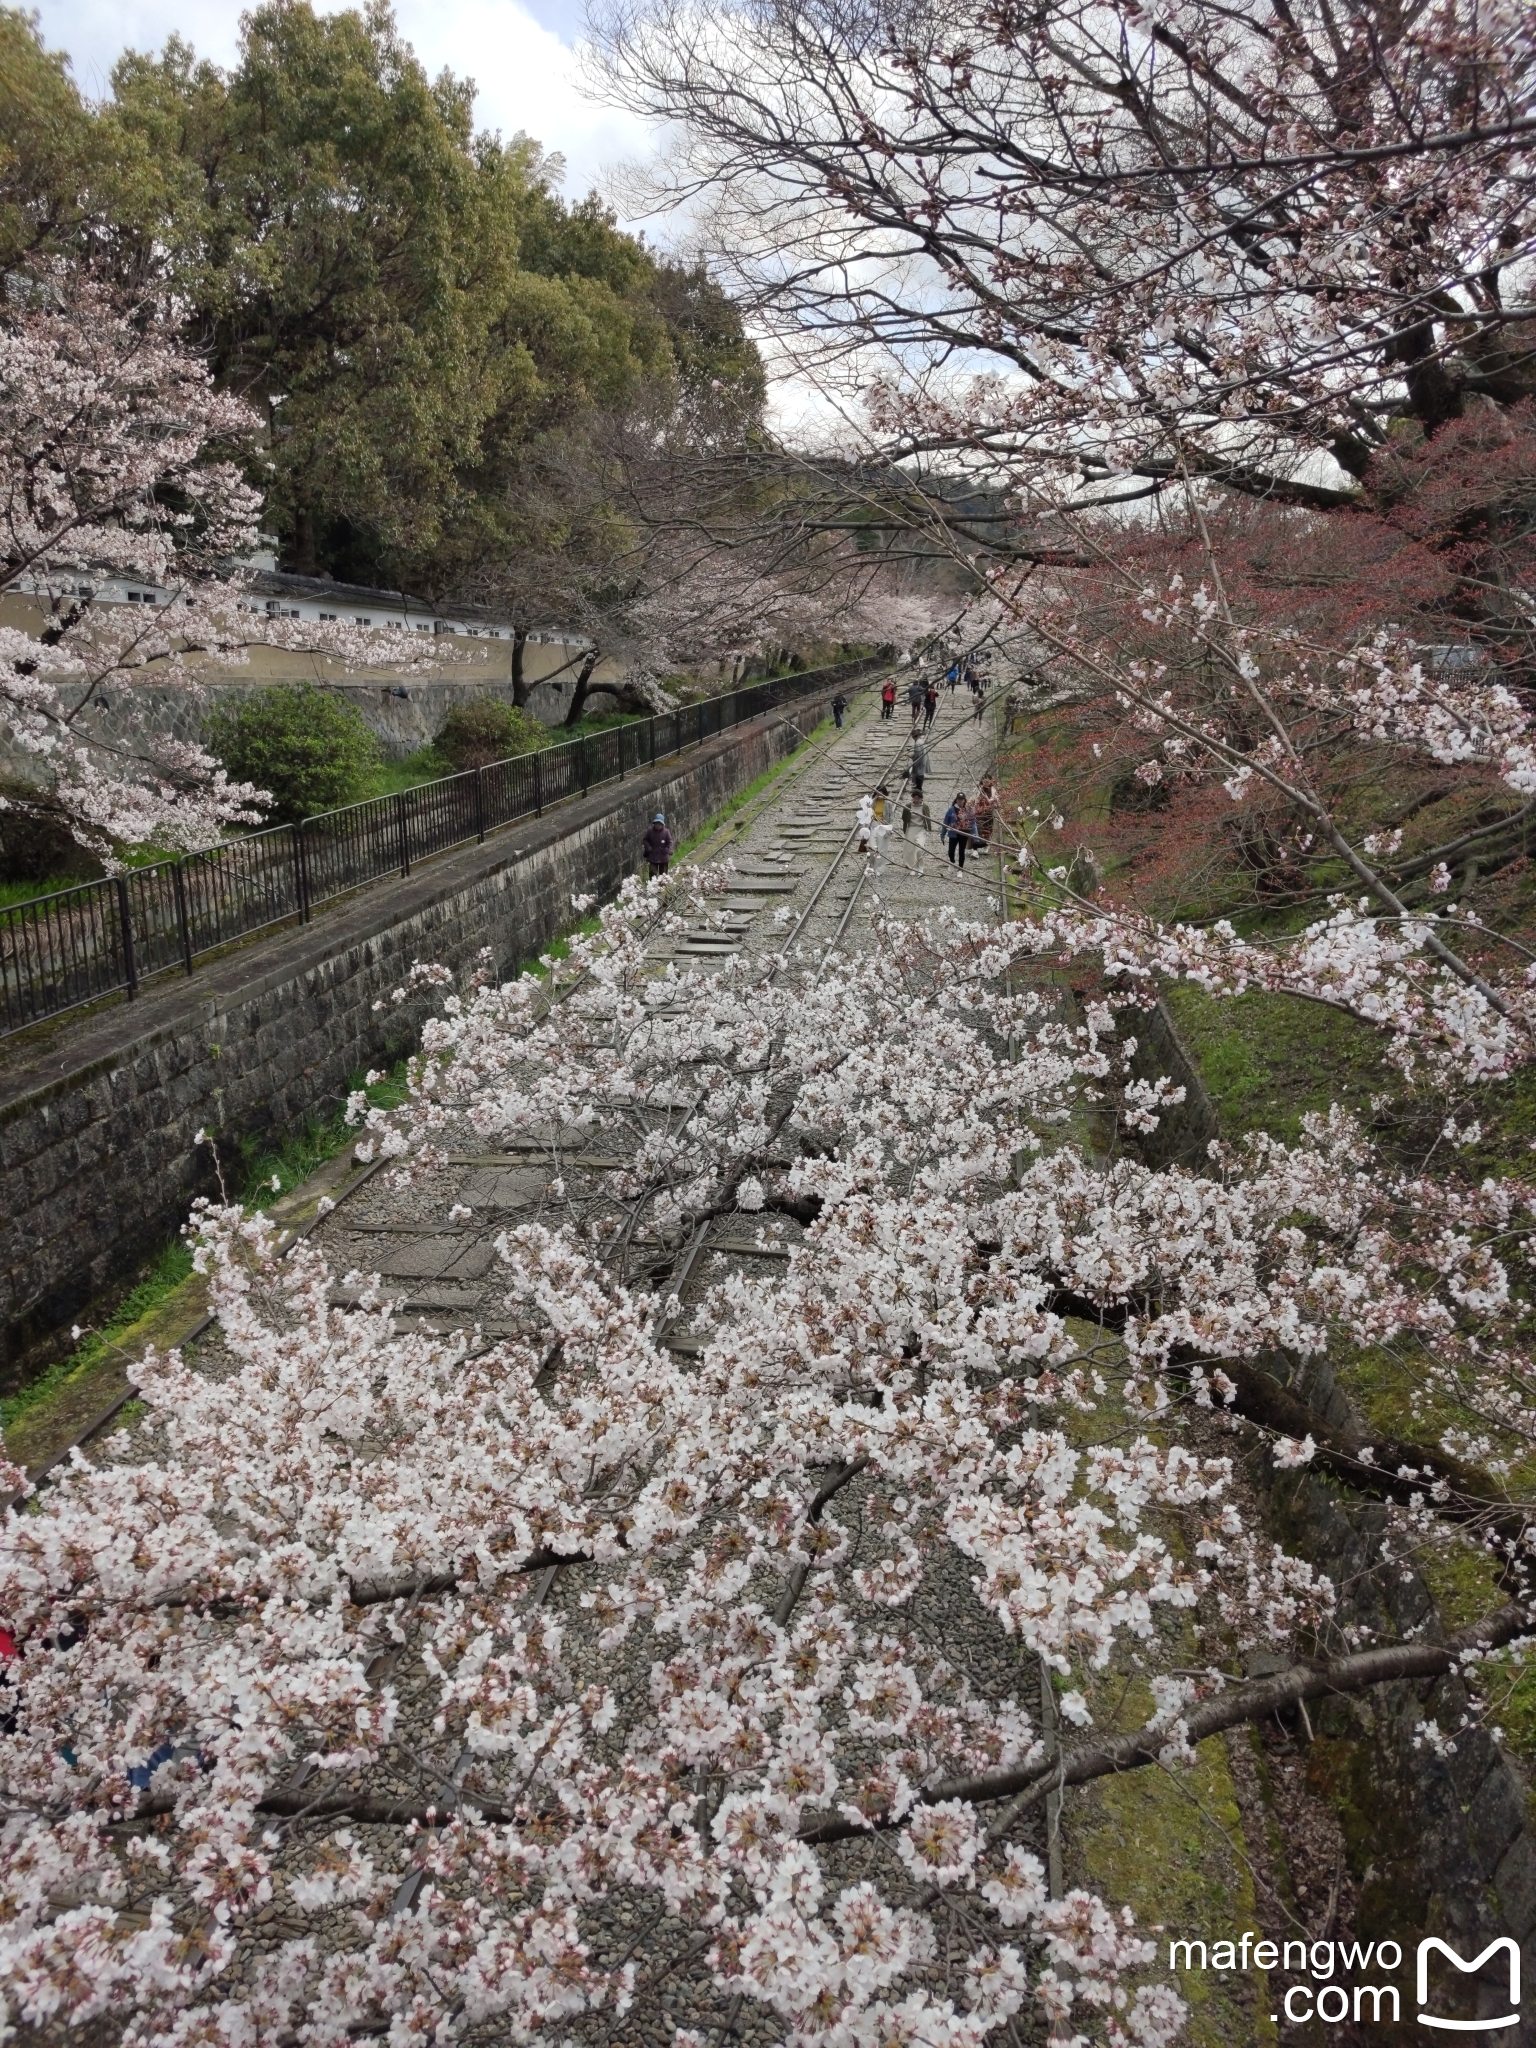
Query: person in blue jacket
959,829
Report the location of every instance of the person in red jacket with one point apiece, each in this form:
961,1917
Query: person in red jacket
657,845
888,700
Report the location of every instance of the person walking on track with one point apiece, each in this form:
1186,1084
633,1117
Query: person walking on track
839,706
915,696
657,846
930,705
888,699
958,826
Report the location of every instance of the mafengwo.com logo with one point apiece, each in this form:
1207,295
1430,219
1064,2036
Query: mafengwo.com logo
1364,1983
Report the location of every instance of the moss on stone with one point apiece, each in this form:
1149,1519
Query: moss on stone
1267,1060
1171,1847
1352,1771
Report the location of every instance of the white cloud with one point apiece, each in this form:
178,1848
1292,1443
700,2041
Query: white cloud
526,78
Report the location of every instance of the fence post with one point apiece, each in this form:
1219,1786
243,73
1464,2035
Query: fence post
300,872
480,805
183,924
538,782
586,766
403,826
130,965
653,742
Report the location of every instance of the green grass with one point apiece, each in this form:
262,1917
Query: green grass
557,950
391,778
291,1163
48,885
23,892
427,765
1268,1060
163,1278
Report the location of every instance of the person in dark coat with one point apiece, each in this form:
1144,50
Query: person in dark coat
657,845
960,829
839,706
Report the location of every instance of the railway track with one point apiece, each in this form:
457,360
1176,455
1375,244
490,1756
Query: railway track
795,855
794,851
441,1265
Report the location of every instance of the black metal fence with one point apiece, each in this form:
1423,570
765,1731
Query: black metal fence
76,945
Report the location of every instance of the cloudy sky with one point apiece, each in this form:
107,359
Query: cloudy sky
521,57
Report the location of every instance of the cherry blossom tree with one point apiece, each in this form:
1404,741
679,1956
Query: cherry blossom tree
694,602
1195,689
747,612
117,464
1111,246
630,1664
492,1686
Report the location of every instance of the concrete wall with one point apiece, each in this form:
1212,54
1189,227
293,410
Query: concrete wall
97,1114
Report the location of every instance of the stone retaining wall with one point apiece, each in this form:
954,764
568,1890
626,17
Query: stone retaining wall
98,1114
403,712
1449,1839
1439,1845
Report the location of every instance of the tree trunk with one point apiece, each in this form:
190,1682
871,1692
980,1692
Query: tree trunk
519,678
305,548
583,688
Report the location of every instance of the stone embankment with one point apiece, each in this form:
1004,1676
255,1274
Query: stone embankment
1434,1842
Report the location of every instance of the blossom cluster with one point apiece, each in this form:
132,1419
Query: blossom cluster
1455,999
113,469
361,1683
